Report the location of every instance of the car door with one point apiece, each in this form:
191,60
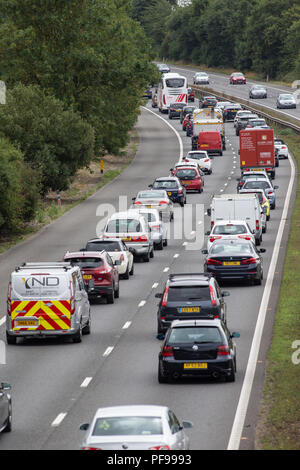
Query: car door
85,304
115,272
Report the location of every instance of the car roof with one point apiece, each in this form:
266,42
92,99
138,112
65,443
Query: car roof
233,222
102,239
184,323
125,214
189,279
167,178
84,254
131,410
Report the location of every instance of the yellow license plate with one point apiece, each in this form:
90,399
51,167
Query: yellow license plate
231,263
128,239
87,276
26,323
149,206
169,193
204,145
189,309
187,182
195,365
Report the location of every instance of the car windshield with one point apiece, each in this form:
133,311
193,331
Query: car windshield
86,262
229,229
123,225
186,173
165,184
150,194
256,185
103,245
184,293
128,426
231,249
286,97
258,87
207,334
175,82
197,155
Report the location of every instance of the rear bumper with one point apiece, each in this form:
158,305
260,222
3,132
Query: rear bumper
215,367
246,274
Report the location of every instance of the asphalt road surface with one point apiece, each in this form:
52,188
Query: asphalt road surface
58,385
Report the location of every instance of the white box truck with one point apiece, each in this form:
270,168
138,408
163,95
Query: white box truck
238,207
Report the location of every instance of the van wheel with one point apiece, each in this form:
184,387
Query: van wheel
11,339
77,337
87,328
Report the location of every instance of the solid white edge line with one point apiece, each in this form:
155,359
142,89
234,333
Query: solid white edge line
59,418
240,415
171,127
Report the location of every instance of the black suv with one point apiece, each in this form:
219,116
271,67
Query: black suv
175,190
230,111
242,122
190,296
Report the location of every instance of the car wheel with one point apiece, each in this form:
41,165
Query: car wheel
231,377
117,292
110,298
268,217
146,258
162,379
165,242
126,274
152,253
131,272
160,245
8,425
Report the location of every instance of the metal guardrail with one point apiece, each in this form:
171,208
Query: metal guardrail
200,91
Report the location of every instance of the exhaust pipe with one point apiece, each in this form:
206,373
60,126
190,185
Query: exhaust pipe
176,375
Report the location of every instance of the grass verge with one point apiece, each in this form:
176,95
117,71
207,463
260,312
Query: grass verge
86,182
279,421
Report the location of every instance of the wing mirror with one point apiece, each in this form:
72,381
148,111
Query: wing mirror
84,427
208,212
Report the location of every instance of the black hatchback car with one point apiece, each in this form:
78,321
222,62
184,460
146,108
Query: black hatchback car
208,102
175,110
233,259
229,111
199,348
190,296
175,190
5,407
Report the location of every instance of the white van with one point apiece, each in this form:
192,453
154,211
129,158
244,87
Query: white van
238,207
47,299
134,230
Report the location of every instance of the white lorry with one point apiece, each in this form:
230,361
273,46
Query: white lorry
238,207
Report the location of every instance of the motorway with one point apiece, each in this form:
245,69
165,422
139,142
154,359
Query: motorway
57,385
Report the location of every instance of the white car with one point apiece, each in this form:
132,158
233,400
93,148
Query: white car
200,78
159,229
155,199
202,158
283,151
241,113
117,250
135,427
223,229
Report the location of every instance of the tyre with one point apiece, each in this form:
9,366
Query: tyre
146,258
11,339
231,377
160,245
110,298
162,379
8,425
117,292
77,337
152,253
126,274
86,330
165,242
131,272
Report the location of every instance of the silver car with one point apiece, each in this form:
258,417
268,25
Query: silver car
200,78
135,427
286,100
258,91
5,407
155,199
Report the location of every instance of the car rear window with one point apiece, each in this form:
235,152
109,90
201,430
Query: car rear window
165,184
184,293
229,229
124,225
103,245
231,249
195,335
186,174
256,185
150,194
86,262
128,426
197,155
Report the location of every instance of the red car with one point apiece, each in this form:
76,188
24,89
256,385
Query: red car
191,96
98,267
190,177
237,78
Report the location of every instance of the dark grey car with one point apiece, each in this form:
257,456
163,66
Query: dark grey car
5,407
258,91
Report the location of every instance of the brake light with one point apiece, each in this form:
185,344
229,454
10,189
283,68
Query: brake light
137,202
156,228
283,147
214,262
160,448
179,191
207,160
141,238
122,257
257,225
249,261
223,350
167,351
163,202
186,160
91,448
72,299
164,99
245,237
165,297
9,299
213,238
212,296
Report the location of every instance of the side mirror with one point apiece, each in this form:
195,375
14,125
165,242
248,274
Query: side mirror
158,295
150,185
5,386
276,187
262,250
225,293
187,424
84,427
207,233
82,249
238,179
208,212
133,198
160,336
91,285
131,249
205,252
117,262
235,334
